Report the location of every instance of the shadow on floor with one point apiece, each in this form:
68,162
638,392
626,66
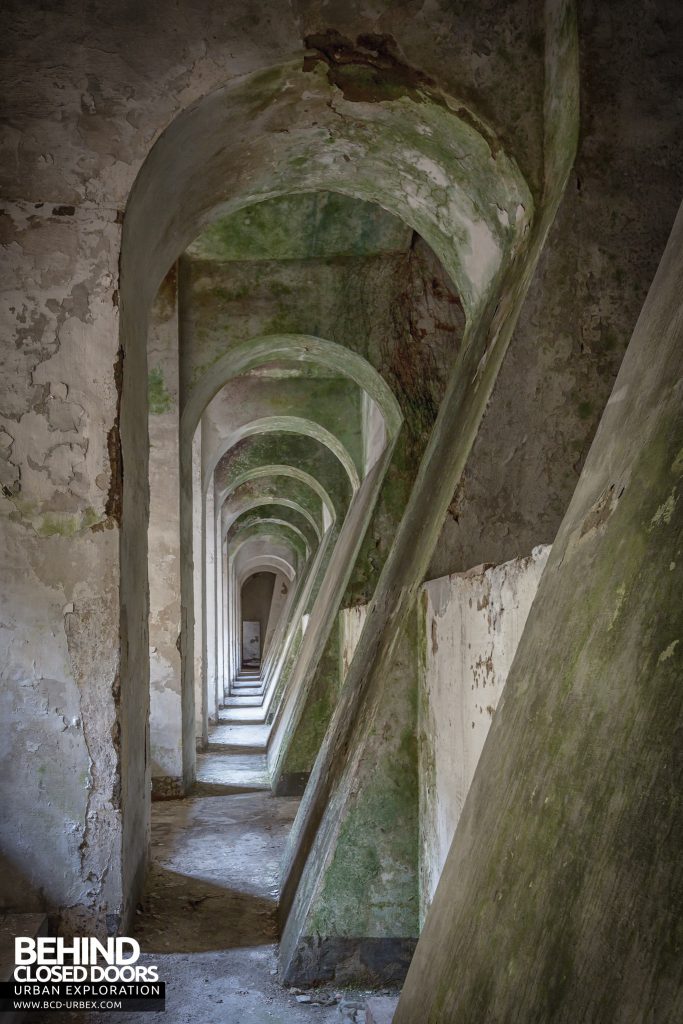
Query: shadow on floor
222,789
181,914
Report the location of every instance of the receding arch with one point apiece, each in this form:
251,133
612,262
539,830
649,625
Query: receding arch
264,526
281,488
423,156
276,469
267,562
304,348
412,154
266,500
293,425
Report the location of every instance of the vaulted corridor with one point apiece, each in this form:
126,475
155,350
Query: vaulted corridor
340,468
208,916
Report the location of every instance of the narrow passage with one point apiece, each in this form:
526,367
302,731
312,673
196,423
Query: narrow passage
209,917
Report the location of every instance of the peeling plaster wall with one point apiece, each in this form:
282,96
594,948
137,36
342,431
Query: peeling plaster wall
469,624
78,131
120,78
60,507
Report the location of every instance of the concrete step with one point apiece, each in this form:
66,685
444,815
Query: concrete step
229,751
236,738
239,716
380,1009
219,773
243,702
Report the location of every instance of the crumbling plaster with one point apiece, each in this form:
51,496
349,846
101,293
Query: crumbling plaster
82,143
60,508
470,625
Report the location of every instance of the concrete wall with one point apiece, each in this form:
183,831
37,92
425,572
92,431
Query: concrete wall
362,922
60,507
351,622
470,624
281,587
256,599
560,899
602,254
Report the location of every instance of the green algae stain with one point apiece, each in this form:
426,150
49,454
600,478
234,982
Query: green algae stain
159,399
53,525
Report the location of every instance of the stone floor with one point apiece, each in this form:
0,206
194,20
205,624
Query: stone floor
222,773
208,920
240,734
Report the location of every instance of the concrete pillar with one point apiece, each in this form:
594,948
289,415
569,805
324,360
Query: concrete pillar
197,625
226,621
163,544
220,632
209,595
361,922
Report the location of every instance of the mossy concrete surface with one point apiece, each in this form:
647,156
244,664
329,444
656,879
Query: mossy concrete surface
337,770
560,900
364,920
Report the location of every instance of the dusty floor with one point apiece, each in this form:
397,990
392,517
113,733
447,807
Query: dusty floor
209,915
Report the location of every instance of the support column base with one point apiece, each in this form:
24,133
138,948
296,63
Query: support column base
360,961
167,787
292,784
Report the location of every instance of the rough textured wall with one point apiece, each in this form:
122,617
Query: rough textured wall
560,899
592,280
414,349
161,60
60,506
469,626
